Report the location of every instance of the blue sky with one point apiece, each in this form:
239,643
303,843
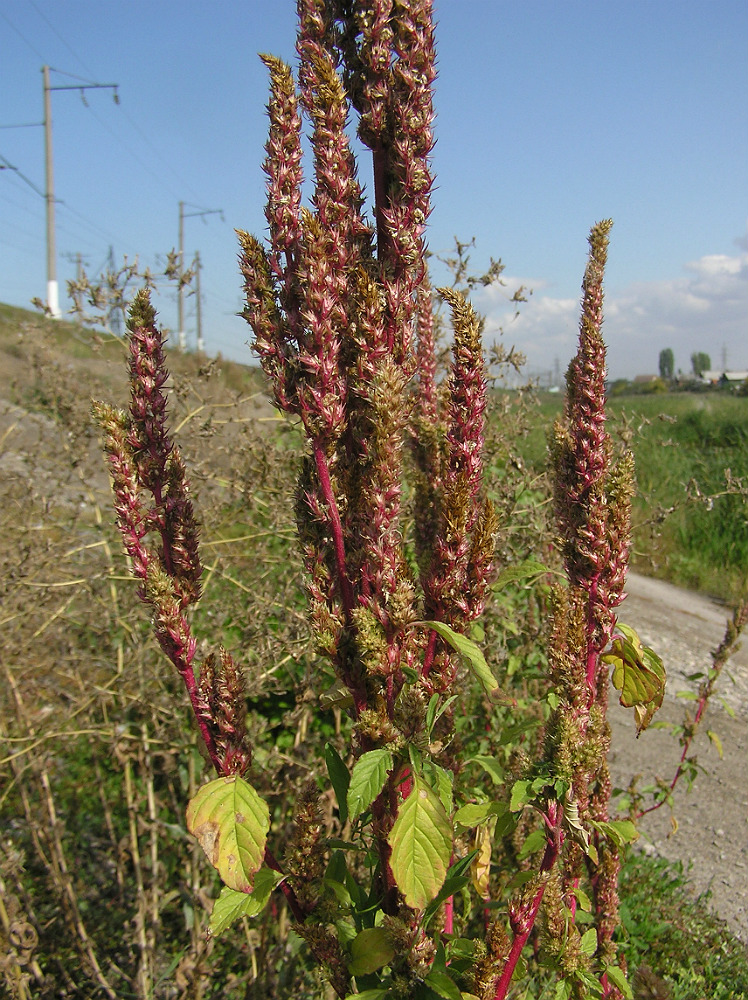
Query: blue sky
550,116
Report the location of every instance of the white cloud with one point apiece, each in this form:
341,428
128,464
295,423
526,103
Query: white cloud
706,309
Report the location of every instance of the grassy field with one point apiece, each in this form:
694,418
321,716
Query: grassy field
691,508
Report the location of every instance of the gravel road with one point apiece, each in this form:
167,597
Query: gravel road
712,820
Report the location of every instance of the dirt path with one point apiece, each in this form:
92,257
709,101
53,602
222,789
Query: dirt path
712,820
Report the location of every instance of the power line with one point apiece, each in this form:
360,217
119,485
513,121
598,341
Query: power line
7,165
21,35
69,213
130,151
147,140
51,26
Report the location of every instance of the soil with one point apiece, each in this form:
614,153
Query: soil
708,831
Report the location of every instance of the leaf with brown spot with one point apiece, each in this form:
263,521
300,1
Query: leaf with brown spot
231,823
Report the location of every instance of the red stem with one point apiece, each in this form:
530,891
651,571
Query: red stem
184,667
449,915
428,659
520,940
336,525
523,923
380,198
593,654
679,769
285,888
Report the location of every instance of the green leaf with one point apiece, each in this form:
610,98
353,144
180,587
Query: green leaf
421,842
585,903
728,708
620,831
521,794
367,780
475,813
337,697
461,865
532,843
563,990
618,978
588,944
625,830
529,569
452,885
431,712
443,985
368,995
510,734
370,950
469,653
231,905
435,711
341,892
491,766
231,823
638,674
339,778
444,781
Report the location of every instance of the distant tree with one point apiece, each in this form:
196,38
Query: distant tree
700,363
667,364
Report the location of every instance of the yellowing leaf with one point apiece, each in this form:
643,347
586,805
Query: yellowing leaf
231,823
638,674
716,741
421,842
480,869
370,950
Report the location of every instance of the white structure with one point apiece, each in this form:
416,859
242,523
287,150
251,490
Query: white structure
713,377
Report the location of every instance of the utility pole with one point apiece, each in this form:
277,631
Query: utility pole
53,297
180,291
115,315
200,342
77,259
53,294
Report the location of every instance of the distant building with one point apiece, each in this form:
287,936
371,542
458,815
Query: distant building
715,377
644,379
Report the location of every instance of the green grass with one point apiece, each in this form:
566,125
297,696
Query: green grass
682,443
677,936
